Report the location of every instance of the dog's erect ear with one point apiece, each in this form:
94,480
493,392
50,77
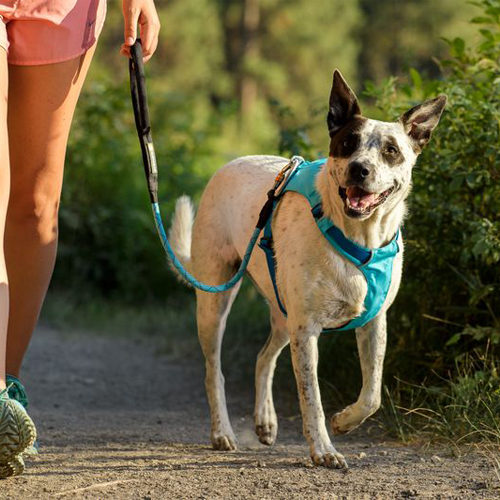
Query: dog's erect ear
343,104
420,121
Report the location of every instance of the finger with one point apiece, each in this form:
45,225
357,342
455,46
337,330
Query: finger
150,28
151,50
131,17
125,50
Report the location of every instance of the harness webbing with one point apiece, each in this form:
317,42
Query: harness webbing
375,264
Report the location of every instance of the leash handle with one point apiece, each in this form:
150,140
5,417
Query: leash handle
142,121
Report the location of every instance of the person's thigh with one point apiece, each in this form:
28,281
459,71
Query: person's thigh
42,101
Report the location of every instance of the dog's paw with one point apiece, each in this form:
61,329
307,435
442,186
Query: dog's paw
267,433
338,424
224,443
333,460
348,419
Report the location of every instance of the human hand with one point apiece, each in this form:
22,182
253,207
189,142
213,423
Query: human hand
142,12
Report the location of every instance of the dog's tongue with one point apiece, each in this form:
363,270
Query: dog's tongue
359,198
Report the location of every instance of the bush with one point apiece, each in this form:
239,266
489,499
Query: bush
447,311
452,277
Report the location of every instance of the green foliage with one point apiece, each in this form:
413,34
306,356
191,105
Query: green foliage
459,409
399,35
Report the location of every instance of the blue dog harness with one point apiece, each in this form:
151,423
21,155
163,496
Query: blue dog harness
375,264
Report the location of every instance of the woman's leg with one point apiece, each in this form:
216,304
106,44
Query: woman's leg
4,198
42,100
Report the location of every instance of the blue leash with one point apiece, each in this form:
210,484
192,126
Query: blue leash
189,277
143,125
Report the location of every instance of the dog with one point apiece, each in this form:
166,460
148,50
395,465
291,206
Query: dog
363,186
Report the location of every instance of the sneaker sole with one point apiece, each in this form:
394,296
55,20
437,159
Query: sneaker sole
17,433
13,468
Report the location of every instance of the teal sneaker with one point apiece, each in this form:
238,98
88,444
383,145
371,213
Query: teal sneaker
17,391
17,434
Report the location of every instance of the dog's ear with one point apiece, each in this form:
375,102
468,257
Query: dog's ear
420,121
343,104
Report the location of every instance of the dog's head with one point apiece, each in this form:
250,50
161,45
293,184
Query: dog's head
372,161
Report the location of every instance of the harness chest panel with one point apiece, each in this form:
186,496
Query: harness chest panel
375,264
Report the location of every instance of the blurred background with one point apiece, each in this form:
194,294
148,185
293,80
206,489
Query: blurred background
233,77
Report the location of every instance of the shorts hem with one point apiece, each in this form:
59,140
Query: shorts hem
52,61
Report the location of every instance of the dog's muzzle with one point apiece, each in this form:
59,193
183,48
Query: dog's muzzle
361,203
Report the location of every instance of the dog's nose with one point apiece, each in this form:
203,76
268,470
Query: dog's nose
358,172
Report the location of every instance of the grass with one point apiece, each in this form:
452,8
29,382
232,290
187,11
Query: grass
464,408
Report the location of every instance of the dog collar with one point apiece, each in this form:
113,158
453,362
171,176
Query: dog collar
375,264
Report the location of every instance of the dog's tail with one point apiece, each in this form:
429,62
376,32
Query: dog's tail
180,233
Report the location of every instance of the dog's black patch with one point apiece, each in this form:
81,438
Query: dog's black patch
347,140
391,152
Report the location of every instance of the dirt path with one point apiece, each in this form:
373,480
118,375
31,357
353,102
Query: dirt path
117,420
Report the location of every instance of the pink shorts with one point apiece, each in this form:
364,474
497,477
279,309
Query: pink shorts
49,31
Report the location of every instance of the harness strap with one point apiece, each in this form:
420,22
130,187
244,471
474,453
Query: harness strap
266,243
355,251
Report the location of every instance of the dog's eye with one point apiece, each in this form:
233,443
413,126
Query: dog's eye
392,150
349,142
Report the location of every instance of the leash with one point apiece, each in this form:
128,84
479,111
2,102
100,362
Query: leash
143,125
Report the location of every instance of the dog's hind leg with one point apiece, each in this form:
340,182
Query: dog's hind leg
212,310
371,341
266,422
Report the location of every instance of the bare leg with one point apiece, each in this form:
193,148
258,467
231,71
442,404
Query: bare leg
4,198
371,341
304,349
42,100
212,310
266,422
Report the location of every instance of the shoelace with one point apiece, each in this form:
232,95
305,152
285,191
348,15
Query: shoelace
4,395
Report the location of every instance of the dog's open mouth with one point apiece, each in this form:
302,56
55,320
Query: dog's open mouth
358,202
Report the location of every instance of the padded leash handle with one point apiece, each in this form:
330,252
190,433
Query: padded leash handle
141,115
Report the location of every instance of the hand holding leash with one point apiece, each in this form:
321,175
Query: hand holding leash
142,12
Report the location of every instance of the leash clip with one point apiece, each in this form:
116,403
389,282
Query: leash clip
285,173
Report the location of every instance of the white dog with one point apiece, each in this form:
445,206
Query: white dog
362,187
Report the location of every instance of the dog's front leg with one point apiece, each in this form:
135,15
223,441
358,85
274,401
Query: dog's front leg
304,349
371,340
